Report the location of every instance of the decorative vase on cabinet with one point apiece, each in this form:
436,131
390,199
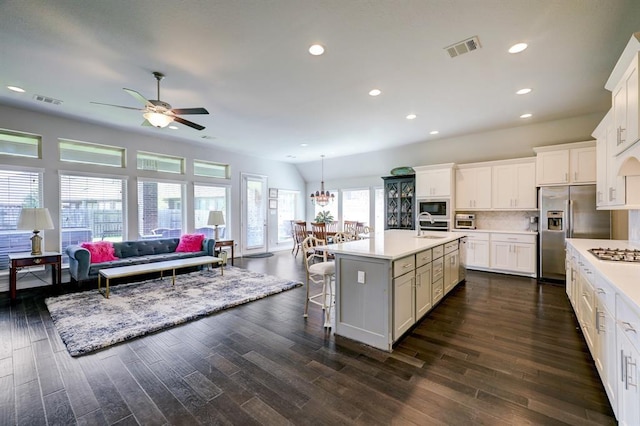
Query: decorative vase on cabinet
399,202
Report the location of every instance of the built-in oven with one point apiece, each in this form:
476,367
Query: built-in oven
438,208
437,225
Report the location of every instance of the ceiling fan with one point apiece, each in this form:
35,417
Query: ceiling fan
158,113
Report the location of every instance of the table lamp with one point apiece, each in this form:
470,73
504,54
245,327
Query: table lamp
35,219
216,218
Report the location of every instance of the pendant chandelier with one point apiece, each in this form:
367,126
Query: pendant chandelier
322,197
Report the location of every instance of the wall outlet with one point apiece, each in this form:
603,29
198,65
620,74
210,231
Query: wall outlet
360,277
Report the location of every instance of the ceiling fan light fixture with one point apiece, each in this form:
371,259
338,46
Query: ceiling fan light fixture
158,120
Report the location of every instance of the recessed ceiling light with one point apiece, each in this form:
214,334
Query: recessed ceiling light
16,89
173,127
518,47
411,117
375,92
316,49
523,91
434,132
527,115
304,144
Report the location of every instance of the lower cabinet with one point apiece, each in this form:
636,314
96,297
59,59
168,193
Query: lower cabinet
513,253
404,312
478,250
423,290
628,357
420,281
611,328
451,266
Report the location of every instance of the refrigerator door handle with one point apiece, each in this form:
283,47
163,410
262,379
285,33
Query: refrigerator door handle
569,219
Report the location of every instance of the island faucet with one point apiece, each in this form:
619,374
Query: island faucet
420,216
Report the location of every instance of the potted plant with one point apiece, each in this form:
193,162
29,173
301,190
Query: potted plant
324,216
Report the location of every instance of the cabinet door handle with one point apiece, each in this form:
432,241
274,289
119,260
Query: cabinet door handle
622,366
628,327
566,177
575,175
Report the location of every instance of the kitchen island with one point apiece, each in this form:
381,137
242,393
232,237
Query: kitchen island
388,282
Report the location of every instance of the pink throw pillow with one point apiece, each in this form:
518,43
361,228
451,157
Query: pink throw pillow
190,243
100,251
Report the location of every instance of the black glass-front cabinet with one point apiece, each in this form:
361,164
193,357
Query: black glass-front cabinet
399,202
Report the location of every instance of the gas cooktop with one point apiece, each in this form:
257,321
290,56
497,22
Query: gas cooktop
616,255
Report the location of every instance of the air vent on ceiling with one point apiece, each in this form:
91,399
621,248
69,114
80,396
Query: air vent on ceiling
464,46
47,100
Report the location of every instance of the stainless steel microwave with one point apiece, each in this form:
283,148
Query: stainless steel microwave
438,208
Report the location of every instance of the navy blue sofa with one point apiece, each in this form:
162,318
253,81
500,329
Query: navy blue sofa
131,253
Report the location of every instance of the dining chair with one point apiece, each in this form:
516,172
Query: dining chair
350,227
300,233
320,271
319,230
343,237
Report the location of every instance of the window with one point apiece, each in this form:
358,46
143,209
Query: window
92,209
379,209
208,169
89,153
355,205
287,211
20,144
160,209
18,189
207,198
160,163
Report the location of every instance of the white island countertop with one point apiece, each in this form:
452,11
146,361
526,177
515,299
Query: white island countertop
624,275
394,244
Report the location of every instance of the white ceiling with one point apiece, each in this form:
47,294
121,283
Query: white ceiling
246,61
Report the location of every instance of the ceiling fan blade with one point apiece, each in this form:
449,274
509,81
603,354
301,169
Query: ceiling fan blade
185,111
188,123
146,123
139,97
118,106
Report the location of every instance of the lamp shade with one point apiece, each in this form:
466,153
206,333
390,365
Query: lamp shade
35,219
158,120
215,218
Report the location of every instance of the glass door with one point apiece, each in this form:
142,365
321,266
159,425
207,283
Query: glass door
254,214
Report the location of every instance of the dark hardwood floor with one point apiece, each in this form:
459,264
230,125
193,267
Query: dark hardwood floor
497,350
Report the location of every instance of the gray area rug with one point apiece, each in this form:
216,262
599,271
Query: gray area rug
87,321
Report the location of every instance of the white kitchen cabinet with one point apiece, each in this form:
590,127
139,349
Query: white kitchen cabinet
473,188
610,187
626,108
434,181
566,164
605,355
437,277
477,250
404,314
514,186
587,306
513,253
423,293
628,358
451,265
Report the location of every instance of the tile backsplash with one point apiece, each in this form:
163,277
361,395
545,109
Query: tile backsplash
634,226
505,220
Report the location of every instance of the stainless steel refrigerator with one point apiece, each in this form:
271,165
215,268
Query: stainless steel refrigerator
567,212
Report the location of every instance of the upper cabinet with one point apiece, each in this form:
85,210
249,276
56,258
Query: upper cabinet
566,164
609,186
625,108
514,186
399,202
473,188
434,181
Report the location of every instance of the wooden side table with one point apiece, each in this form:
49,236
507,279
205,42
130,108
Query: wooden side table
225,243
26,259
